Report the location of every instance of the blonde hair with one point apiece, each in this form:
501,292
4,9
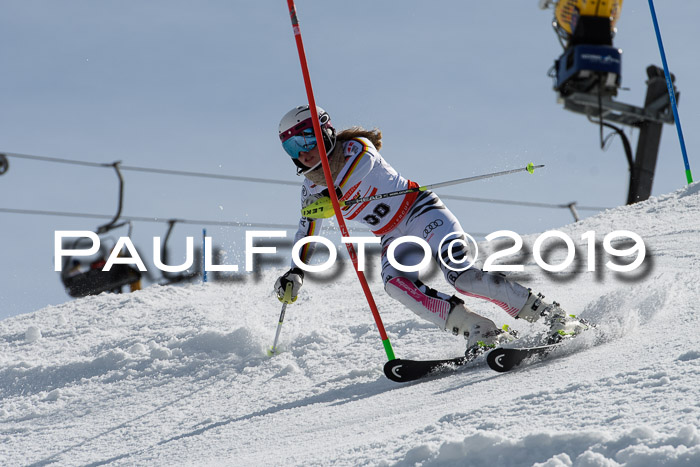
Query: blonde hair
375,135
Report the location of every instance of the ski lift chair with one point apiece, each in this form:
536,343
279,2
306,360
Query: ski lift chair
84,276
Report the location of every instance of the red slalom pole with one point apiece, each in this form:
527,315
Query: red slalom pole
329,182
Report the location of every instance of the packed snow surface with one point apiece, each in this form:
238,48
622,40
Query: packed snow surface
180,375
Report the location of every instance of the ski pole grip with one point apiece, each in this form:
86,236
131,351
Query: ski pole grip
287,293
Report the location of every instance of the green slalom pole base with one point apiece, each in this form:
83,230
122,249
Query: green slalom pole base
389,351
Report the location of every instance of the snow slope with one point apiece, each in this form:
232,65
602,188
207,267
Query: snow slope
179,375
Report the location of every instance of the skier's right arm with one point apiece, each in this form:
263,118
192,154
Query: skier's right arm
307,227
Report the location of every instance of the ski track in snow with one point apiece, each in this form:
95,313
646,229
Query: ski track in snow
179,375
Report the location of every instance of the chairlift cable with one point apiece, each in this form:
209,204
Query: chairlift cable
270,181
155,170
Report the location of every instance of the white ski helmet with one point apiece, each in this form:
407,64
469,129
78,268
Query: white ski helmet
296,132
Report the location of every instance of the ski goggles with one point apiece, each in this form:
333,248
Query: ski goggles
301,138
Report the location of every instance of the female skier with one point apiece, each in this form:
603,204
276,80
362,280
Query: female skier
359,170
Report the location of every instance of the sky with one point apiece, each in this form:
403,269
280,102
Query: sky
457,90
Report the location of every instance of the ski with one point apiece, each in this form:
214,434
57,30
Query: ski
500,359
403,371
505,359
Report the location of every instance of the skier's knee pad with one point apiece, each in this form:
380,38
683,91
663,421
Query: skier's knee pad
427,303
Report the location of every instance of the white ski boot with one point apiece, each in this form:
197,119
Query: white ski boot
561,325
481,333
481,340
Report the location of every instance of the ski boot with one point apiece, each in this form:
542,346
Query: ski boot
480,341
481,333
561,325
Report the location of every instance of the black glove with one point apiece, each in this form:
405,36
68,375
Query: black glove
295,276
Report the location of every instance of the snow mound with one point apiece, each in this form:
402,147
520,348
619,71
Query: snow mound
638,447
181,374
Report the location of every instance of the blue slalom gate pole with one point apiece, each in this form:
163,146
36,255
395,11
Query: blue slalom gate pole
671,93
204,253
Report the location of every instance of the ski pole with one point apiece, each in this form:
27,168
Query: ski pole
321,208
329,180
287,299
